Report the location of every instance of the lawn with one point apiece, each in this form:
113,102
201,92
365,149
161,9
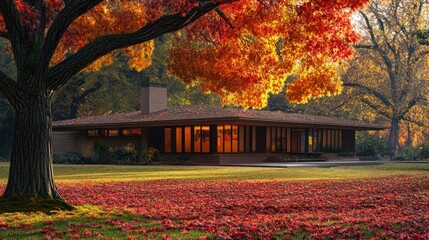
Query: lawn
388,201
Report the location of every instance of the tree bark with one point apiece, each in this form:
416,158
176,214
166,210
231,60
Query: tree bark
31,167
393,137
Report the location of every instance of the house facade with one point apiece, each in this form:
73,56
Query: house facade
208,134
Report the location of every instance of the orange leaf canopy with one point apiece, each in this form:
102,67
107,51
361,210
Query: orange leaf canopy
243,51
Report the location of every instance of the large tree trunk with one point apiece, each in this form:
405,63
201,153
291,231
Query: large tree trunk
31,170
393,137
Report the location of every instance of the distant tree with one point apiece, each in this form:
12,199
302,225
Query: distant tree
110,89
53,40
389,76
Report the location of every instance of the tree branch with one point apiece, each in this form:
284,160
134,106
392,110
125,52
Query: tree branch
71,11
383,55
371,91
224,17
14,26
375,108
9,88
62,72
411,104
347,101
363,46
408,119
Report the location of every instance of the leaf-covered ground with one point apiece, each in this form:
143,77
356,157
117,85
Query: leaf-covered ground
394,207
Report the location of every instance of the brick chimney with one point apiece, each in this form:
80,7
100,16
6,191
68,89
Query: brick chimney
153,97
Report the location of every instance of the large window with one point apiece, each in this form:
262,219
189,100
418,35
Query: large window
201,139
228,138
277,139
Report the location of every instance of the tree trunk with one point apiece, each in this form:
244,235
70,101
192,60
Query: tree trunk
31,167
393,137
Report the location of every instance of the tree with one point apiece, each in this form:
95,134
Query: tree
53,40
389,75
111,89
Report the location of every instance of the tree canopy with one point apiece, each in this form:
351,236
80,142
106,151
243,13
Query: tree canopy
239,49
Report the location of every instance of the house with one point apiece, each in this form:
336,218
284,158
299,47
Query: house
208,134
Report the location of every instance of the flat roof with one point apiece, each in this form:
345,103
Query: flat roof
207,113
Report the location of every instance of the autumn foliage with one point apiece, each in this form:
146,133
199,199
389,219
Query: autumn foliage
384,208
242,51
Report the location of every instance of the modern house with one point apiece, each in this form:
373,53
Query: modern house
208,134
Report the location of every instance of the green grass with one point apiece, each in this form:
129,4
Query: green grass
88,221
141,173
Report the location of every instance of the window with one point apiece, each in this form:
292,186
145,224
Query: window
340,140
227,138
268,139
167,140
241,140
197,139
179,135
234,138
205,139
92,133
220,138
110,132
284,140
132,132
273,139
187,139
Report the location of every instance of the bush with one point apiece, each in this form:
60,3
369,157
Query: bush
424,150
102,153
414,153
136,157
370,144
408,154
68,158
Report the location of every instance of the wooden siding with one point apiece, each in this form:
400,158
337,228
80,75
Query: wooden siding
63,142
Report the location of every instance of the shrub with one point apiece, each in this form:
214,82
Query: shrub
408,154
102,153
370,144
139,157
414,153
68,158
424,150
